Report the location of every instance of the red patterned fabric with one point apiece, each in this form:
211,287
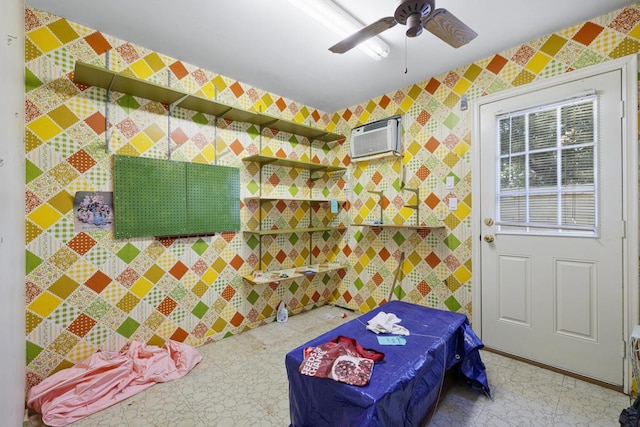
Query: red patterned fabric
343,359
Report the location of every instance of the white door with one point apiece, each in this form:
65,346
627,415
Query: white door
551,200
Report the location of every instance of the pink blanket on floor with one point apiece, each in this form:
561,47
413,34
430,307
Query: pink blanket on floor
107,378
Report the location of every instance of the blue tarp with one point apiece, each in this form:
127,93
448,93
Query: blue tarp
403,386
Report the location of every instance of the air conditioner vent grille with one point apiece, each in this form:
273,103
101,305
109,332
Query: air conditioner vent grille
375,125
382,136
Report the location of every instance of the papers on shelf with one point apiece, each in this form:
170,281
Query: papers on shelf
260,277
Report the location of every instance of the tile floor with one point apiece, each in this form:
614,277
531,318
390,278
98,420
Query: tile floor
242,382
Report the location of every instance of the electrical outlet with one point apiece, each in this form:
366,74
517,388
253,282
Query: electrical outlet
453,204
449,183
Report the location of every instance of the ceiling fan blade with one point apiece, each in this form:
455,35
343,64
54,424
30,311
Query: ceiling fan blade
363,35
448,28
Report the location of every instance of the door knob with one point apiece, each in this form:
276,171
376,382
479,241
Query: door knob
488,221
489,238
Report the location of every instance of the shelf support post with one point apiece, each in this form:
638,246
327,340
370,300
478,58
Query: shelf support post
416,191
215,140
260,202
310,245
169,118
107,134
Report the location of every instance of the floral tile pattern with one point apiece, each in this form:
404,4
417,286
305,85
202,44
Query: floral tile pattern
87,291
437,144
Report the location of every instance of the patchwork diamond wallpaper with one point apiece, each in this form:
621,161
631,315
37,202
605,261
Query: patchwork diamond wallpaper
87,291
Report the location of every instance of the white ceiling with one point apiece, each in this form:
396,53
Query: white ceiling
273,46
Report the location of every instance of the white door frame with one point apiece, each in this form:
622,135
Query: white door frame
630,292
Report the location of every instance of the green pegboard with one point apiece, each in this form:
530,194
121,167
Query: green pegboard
213,198
155,197
149,197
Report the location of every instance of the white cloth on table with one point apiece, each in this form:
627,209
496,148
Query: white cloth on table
386,323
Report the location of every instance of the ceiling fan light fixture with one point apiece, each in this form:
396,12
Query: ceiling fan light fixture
336,19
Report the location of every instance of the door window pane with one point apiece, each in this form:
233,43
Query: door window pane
512,173
543,169
543,129
512,135
543,208
578,209
577,166
547,167
513,208
577,124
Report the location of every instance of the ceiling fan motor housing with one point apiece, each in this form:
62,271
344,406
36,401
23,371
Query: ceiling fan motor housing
411,13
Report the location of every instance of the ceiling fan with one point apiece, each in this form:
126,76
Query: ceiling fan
416,15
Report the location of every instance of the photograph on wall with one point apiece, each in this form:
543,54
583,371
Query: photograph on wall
93,211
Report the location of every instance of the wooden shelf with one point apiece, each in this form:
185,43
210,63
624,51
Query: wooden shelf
291,230
280,161
292,273
410,227
92,75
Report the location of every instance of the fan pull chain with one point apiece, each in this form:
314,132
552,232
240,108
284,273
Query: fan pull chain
405,55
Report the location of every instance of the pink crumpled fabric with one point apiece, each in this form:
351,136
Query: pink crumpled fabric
106,378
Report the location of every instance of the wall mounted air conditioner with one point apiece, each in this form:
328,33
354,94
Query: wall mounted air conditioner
377,138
